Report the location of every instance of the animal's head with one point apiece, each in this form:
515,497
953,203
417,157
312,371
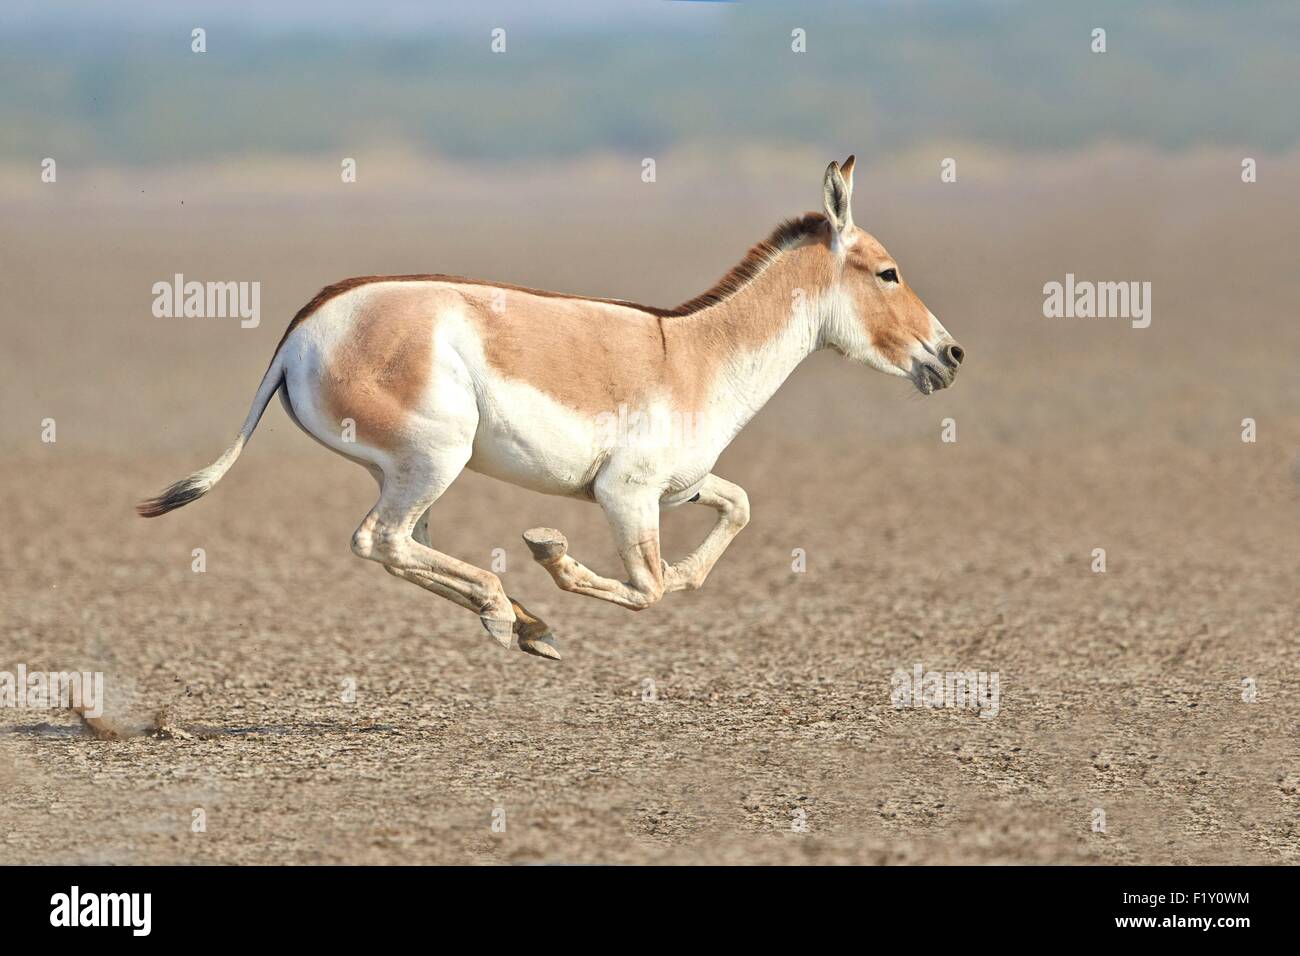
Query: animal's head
873,316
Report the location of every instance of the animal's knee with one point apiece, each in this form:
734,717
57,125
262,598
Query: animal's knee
738,507
363,543
377,543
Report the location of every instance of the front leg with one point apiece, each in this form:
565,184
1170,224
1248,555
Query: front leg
732,505
635,522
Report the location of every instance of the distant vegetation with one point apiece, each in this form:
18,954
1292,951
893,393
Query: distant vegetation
888,76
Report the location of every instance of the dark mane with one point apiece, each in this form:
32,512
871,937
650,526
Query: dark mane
787,235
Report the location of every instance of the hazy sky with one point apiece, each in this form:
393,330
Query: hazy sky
119,83
388,15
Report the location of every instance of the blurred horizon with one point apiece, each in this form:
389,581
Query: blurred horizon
121,87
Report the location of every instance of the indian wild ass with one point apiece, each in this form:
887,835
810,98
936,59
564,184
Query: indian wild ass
417,377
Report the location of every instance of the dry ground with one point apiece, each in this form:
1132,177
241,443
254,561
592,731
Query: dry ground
1120,691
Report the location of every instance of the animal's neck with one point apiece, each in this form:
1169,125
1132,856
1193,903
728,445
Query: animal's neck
756,337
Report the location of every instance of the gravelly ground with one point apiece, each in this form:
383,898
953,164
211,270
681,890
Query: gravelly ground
771,689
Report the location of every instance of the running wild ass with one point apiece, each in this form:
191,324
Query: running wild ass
417,377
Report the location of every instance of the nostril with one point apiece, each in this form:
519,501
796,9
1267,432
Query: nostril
953,354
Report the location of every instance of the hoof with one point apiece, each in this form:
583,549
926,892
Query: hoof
541,646
501,631
546,544
535,635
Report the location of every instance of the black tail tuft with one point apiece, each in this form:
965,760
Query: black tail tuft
180,494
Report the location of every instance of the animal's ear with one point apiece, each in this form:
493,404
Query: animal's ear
836,193
846,170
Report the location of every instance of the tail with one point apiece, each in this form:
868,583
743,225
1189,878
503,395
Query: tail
201,482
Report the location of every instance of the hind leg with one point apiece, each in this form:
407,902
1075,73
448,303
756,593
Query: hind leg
386,536
533,634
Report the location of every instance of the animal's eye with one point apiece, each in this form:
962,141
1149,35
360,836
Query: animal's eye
889,275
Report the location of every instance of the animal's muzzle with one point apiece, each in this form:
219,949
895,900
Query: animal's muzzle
931,375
